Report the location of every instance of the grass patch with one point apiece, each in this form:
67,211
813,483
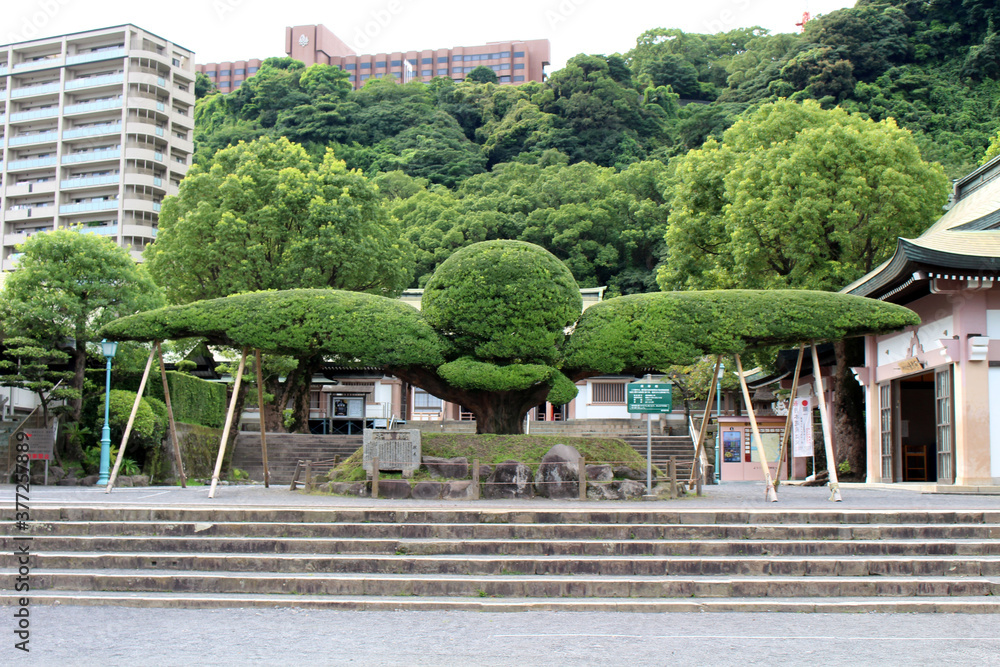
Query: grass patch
491,449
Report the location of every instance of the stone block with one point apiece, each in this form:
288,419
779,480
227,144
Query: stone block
454,468
393,488
426,490
459,490
510,479
629,489
602,492
559,473
600,473
628,472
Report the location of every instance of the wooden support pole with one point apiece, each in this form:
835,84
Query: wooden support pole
831,462
699,447
772,495
170,418
374,477
131,421
672,465
475,479
229,424
583,478
295,476
787,433
309,476
260,408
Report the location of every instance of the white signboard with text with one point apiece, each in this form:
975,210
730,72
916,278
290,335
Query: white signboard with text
802,427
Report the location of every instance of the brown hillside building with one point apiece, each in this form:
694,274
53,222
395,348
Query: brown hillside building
513,61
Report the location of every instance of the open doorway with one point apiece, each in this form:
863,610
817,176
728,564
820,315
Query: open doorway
917,429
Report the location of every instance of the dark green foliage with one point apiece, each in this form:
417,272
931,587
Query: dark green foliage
482,74
503,301
351,327
643,331
194,401
466,373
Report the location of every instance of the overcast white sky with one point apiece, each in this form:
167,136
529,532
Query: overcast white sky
218,30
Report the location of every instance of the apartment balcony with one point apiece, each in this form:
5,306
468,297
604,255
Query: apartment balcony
147,205
34,114
3,70
93,131
90,181
147,78
95,81
25,212
89,107
31,188
30,91
187,122
28,139
145,180
142,231
89,206
101,230
44,63
139,127
184,145
31,163
11,262
139,102
135,153
93,156
109,54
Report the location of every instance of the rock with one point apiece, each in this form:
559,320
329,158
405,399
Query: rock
324,488
484,472
627,472
459,490
559,473
510,479
426,490
55,474
629,489
348,488
68,481
393,488
599,473
456,468
90,480
602,492
140,480
123,481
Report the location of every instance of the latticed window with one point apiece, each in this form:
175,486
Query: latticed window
423,400
885,429
608,392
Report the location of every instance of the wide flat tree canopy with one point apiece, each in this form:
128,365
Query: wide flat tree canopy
352,327
643,331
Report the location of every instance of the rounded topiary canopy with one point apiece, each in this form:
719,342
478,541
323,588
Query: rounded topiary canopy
656,330
352,327
503,301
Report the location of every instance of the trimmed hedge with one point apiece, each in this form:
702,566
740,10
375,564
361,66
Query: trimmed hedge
503,302
469,374
194,401
352,327
657,330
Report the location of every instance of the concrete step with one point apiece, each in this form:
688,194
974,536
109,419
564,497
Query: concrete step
458,530
595,547
509,585
470,565
186,600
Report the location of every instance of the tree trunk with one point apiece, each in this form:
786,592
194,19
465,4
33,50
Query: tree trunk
848,409
79,368
295,390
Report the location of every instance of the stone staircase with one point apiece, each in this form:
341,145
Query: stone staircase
662,448
285,450
500,559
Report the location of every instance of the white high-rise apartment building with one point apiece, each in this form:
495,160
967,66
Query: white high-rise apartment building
96,129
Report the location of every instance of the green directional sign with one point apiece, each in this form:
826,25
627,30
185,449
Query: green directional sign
649,396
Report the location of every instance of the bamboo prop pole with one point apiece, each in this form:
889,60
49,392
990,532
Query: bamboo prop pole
772,495
229,424
170,418
787,434
260,408
699,447
831,463
131,420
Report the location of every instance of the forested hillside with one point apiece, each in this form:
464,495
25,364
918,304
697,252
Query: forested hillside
584,163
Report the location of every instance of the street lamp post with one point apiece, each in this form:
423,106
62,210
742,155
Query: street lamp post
108,349
718,424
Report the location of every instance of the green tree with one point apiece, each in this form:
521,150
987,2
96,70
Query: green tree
265,216
796,196
482,74
43,371
203,86
67,286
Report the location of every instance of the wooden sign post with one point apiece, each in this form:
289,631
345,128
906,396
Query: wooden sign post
229,425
